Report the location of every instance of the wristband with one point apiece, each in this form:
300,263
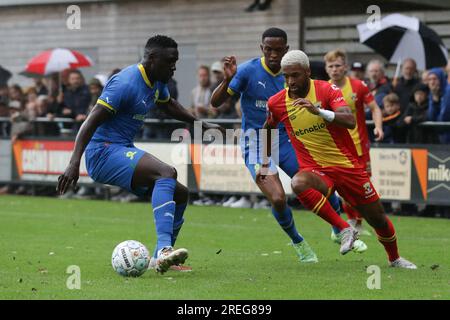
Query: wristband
327,115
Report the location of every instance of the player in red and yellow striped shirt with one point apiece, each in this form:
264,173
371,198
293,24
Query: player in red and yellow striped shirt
317,119
357,96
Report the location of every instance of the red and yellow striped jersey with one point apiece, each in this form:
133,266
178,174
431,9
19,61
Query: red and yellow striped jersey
357,94
316,142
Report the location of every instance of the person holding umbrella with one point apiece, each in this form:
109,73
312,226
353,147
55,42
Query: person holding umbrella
405,84
75,98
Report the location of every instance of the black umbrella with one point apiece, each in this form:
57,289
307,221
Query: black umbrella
398,37
5,75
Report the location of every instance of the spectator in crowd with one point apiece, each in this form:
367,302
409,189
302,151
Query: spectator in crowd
4,113
95,89
20,121
52,85
227,110
76,98
439,100
40,87
31,103
424,77
416,113
16,94
377,82
4,94
357,71
201,95
392,126
404,85
47,110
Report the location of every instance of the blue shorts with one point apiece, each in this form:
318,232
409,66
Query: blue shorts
114,164
286,160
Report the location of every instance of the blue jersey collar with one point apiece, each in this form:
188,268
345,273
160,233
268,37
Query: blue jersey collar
264,65
144,75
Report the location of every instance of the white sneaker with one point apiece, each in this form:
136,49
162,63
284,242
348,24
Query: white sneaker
68,195
402,263
231,200
198,202
179,268
243,202
358,246
348,237
208,202
263,204
118,197
359,227
129,198
168,257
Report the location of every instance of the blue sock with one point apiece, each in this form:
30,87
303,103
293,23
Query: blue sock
334,201
286,221
178,221
163,211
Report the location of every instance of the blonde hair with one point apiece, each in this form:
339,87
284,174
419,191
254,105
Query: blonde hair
334,55
294,57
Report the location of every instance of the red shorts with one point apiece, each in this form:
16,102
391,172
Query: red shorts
364,161
353,184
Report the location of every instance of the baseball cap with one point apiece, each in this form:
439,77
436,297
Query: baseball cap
357,66
217,67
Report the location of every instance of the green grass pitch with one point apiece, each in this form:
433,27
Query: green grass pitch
235,254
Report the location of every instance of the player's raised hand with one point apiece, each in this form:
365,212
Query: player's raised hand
229,67
305,103
69,177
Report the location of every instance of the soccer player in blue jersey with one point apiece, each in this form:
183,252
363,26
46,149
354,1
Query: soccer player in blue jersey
256,81
111,158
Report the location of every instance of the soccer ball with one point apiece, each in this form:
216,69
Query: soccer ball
130,258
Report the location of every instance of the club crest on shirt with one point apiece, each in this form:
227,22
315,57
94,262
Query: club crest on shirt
368,189
130,154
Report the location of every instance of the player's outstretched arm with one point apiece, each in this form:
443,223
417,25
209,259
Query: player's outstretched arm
178,112
98,115
342,116
345,118
220,94
377,117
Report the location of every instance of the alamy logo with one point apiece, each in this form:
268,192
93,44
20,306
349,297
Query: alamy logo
73,21
262,84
